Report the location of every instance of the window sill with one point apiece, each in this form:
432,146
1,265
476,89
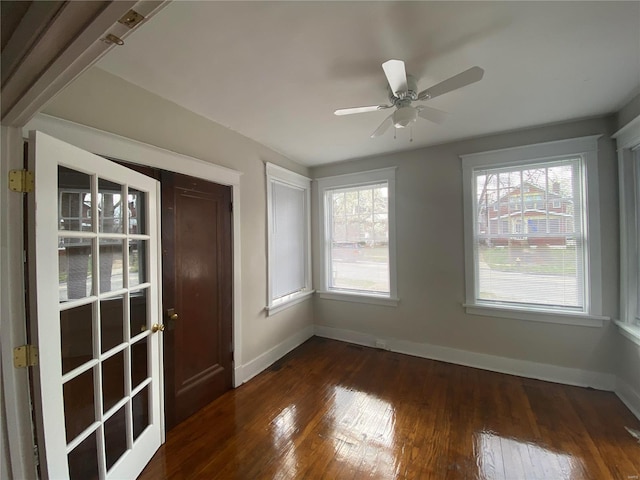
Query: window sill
289,302
545,316
632,332
370,299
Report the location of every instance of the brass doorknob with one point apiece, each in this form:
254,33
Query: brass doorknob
156,327
171,314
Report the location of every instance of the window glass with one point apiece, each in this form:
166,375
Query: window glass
359,238
288,198
528,235
357,228
289,240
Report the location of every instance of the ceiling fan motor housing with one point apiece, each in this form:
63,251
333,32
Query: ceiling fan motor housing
402,97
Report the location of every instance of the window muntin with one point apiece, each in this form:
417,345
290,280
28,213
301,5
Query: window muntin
358,220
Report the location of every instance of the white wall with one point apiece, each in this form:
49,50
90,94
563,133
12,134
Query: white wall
107,102
431,264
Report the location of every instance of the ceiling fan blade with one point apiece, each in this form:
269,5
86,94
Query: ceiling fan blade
463,79
396,75
384,126
352,110
431,114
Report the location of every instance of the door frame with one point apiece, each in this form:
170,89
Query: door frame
18,456
15,384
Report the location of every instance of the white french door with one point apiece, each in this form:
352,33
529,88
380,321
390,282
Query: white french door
93,237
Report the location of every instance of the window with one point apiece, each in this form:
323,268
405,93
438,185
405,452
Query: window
357,225
288,199
628,143
534,264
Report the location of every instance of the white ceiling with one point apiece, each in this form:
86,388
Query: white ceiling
276,71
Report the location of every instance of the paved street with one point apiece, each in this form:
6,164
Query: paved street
527,287
361,274
494,284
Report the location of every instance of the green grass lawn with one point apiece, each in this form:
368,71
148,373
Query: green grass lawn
542,260
375,254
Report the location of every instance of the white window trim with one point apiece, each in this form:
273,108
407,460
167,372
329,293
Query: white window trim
287,177
628,141
360,298
353,180
587,147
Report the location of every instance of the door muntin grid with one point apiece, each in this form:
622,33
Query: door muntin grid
103,288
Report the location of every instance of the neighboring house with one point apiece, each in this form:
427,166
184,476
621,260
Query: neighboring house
528,213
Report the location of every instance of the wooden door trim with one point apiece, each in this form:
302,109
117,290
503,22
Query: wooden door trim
133,151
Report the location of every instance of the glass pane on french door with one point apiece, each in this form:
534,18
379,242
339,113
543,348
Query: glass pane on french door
103,356
97,348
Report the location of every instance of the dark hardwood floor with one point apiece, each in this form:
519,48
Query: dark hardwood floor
339,411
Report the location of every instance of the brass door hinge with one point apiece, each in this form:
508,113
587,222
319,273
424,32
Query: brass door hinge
25,356
131,19
21,181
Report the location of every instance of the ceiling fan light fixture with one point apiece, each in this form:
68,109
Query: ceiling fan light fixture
404,116
403,90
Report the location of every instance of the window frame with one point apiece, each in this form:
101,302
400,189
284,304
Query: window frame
628,146
584,147
277,174
360,179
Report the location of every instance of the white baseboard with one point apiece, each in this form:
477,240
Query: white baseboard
629,396
348,336
246,372
522,368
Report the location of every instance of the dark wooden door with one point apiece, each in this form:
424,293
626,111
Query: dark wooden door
197,285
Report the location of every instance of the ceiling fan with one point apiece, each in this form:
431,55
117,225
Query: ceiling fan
403,91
